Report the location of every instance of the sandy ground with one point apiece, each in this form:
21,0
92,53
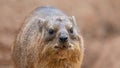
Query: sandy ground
98,21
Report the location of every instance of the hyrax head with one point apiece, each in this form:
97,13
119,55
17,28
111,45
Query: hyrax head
61,33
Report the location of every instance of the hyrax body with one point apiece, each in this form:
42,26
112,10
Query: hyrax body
48,39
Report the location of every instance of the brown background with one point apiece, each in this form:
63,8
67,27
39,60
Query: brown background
98,20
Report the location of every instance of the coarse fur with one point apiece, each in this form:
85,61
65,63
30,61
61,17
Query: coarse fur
35,48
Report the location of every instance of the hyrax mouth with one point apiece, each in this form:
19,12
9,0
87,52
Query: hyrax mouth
63,46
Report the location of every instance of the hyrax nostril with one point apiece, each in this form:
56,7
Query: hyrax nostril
63,38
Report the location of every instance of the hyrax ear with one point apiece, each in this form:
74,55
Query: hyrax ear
42,23
73,20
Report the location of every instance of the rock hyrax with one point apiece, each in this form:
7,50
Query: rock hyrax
48,39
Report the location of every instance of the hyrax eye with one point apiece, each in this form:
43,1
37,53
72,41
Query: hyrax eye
71,30
51,31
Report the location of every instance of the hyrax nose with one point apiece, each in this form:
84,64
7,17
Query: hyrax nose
63,37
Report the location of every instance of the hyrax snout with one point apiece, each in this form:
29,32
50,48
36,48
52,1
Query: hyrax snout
48,39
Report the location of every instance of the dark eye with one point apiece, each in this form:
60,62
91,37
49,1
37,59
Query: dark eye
71,31
51,31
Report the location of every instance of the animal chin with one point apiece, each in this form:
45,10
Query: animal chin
72,55
67,53
63,53
60,51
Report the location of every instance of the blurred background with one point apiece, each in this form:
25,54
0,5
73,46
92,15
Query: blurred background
98,20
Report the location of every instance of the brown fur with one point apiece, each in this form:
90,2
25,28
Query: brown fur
32,51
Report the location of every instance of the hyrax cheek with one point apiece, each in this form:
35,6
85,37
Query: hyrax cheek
74,45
